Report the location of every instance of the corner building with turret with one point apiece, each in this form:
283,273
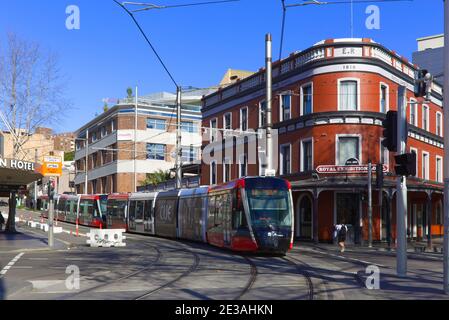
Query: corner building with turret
328,105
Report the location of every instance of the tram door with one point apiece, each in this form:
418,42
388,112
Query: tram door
348,212
149,217
227,212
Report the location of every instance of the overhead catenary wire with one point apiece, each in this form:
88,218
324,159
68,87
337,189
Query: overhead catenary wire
315,2
153,6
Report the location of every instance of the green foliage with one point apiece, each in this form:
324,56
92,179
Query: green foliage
155,178
69,156
129,92
105,107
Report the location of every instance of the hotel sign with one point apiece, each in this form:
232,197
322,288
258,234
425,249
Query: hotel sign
348,169
16,164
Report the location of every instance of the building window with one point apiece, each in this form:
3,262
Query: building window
425,165
156,151
347,148
156,124
415,151
227,121
439,124
213,173
384,154
425,118
243,166
306,99
94,186
213,130
439,215
2,147
348,95
226,170
262,114
94,160
439,169
189,154
285,159
94,136
189,127
307,155
413,112
104,132
285,113
112,125
244,119
383,98
103,185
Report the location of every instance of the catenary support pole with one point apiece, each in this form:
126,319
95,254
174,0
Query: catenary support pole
135,140
35,183
86,164
370,204
50,216
269,83
178,139
401,187
446,148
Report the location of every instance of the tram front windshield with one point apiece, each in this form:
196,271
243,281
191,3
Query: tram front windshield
269,207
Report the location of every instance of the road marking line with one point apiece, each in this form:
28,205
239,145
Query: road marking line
11,263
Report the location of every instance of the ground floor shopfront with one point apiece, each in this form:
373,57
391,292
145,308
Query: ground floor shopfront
320,205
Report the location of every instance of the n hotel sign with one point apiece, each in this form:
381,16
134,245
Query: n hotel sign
16,164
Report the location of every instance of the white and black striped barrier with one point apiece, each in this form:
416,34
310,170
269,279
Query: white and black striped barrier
106,238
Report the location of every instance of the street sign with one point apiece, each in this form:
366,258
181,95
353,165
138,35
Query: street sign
352,162
348,169
52,167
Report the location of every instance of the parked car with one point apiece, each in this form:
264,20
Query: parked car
3,204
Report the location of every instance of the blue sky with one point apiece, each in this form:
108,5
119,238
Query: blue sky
198,44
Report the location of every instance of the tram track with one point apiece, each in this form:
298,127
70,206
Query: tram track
297,263
159,255
193,268
252,279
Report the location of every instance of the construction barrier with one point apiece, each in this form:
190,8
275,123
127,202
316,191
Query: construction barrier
106,238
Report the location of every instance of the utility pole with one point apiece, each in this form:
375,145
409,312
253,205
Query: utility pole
446,148
35,183
135,141
50,215
370,205
401,188
178,139
86,169
269,171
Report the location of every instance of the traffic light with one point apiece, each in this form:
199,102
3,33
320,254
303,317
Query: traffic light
390,131
423,83
51,189
380,176
406,164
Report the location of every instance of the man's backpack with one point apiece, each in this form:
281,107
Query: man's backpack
343,231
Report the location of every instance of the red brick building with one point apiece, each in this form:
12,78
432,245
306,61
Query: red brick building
328,105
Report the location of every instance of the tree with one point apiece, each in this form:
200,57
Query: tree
69,156
129,93
156,178
105,107
32,94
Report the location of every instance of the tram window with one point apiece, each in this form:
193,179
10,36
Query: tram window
139,210
148,210
132,210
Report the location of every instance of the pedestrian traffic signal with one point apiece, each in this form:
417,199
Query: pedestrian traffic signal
380,176
423,83
406,164
390,131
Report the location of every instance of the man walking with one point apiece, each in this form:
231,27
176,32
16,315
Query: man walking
2,221
341,231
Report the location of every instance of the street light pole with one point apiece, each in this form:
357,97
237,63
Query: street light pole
370,205
269,82
86,165
178,139
446,148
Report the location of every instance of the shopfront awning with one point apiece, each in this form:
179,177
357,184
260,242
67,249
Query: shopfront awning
16,175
